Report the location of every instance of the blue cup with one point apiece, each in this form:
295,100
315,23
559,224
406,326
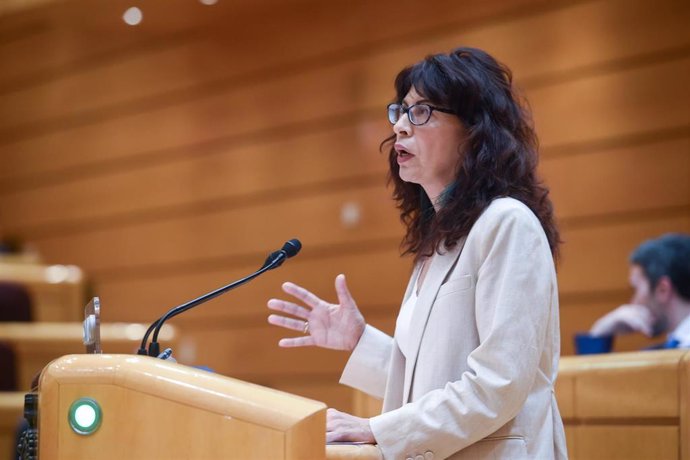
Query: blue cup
586,344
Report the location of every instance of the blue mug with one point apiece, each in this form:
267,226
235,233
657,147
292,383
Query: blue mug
586,344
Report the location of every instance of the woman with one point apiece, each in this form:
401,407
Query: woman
470,371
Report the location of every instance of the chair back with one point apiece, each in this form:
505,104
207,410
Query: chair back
8,368
15,302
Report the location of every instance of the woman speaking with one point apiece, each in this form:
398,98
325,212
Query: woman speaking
471,368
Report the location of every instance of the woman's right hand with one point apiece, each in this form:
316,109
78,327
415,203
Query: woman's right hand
336,326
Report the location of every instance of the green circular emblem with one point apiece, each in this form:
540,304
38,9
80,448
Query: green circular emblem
85,416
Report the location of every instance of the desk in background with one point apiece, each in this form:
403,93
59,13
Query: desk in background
57,291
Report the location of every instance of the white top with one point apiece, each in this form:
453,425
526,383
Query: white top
682,333
404,323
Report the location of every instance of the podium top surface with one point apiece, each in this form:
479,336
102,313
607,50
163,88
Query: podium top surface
182,384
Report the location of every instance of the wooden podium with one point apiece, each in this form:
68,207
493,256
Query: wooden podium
114,406
146,408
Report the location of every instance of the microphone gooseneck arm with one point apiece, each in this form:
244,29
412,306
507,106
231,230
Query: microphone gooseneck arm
206,297
274,260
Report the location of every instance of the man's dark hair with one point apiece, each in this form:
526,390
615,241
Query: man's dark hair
668,255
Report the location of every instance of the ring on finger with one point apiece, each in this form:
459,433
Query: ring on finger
306,328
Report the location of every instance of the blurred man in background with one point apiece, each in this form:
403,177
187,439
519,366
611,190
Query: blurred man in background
660,278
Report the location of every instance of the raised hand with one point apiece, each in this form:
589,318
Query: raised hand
336,326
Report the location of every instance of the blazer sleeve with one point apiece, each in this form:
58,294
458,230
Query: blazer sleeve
515,285
367,368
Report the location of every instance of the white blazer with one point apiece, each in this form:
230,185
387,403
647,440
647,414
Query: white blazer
480,384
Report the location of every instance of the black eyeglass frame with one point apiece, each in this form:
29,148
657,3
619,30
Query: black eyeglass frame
406,110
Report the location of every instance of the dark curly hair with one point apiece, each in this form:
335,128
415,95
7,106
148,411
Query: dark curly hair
498,159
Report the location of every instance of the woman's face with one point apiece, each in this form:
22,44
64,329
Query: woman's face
428,155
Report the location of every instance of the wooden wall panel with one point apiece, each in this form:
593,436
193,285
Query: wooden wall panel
635,178
622,443
574,41
40,34
252,352
193,62
336,156
313,28
62,42
196,236
613,104
595,182
364,81
632,119
595,256
365,265
216,58
217,234
339,396
237,112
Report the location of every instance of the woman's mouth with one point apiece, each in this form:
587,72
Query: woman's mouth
403,155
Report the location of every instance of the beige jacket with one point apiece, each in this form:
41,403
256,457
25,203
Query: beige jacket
481,383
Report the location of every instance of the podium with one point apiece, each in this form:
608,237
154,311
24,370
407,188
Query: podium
101,406
112,406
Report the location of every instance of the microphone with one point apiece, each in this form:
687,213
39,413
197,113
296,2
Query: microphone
289,249
274,260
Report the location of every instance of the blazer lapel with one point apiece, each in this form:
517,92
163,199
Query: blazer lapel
439,268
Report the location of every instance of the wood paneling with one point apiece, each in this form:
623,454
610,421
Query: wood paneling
339,396
629,179
626,442
297,28
596,182
195,237
595,256
339,87
217,234
624,406
613,104
198,62
363,264
251,352
61,42
194,62
340,156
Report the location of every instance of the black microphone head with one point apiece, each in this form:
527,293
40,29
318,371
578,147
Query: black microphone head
292,247
271,259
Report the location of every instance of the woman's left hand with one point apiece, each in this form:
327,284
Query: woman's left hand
345,427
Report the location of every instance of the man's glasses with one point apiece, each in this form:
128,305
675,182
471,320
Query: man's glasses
418,114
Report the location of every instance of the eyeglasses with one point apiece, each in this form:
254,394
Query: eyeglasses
418,114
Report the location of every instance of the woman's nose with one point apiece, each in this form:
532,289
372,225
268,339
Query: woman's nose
402,126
